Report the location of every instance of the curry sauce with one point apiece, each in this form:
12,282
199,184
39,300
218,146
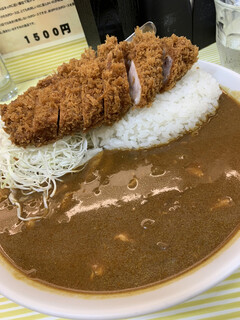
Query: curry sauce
131,218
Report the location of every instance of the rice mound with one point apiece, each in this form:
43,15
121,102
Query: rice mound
173,113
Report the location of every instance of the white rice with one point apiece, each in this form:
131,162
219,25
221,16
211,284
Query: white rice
173,113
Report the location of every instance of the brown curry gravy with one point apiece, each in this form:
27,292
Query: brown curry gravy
134,218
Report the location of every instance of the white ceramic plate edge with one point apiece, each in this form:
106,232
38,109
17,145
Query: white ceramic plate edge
124,306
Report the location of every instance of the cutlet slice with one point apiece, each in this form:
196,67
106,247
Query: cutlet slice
104,49
18,118
92,94
43,83
46,111
117,99
73,75
70,113
145,68
179,56
73,67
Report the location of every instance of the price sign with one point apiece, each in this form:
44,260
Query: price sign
27,24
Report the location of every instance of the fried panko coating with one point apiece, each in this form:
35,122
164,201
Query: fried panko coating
18,117
181,54
147,56
45,121
73,67
104,49
70,114
99,88
117,99
92,94
71,103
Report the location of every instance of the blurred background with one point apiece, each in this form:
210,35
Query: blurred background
36,36
194,19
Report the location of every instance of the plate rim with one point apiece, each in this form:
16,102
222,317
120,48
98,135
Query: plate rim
137,303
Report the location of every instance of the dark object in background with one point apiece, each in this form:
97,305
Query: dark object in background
88,23
169,16
129,15
107,18
112,17
177,16
115,17
120,17
204,23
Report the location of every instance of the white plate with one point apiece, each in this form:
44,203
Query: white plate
76,306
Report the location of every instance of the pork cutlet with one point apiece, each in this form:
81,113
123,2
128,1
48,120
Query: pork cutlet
99,88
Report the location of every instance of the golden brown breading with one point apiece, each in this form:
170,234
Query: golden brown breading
117,99
45,121
18,117
52,79
95,90
73,67
147,57
70,114
183,54
104,49
70,89
92,94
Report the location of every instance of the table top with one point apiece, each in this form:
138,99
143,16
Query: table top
220,302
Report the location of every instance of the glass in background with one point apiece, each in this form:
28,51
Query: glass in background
228,33
8,88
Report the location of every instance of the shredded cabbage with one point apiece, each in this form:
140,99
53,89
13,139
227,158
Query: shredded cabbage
38,169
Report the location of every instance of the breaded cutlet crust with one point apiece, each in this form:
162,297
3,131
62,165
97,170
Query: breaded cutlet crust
117,100
71,102
92,94
94,90
49,80
70,115
45,121
73,67
104,49
18,117
183,53
147,55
